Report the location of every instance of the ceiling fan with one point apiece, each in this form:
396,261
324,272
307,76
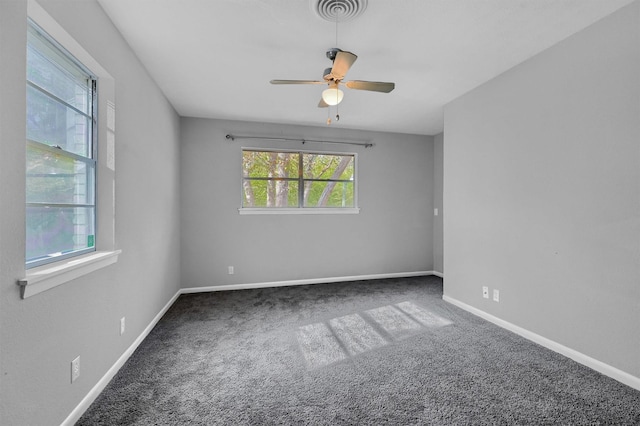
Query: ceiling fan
333,77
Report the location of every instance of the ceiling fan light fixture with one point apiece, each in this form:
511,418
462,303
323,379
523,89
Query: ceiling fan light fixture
332,96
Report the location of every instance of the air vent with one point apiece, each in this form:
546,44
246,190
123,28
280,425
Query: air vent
340,10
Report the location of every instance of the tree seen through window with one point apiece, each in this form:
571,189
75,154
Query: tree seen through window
280,179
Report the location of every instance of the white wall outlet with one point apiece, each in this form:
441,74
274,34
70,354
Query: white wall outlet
485,292
496,295
230,270
75,369
122,325
435,212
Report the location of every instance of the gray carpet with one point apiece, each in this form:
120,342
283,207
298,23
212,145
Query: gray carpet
384,352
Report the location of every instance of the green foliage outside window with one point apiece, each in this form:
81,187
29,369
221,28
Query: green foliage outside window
276,179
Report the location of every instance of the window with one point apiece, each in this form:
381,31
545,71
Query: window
299,180
61,165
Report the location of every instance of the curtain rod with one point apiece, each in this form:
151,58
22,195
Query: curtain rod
303,140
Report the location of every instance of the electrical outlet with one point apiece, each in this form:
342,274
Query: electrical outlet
122,325
485,292
75,369
496,295
230,270
435,212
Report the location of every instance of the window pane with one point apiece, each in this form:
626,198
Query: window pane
270,193
328,194
270,164
53,123
73,89
322,166
274,179
57,179
53,231
60,183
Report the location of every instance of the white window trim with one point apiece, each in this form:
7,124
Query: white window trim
45,277
299,210
48,276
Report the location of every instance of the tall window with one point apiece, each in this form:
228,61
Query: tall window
281,179
60,168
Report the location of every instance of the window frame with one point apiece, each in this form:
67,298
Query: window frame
90,159
43,278
300,209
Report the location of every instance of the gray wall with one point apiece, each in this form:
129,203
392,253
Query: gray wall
542,193
39,336
438,176
392,233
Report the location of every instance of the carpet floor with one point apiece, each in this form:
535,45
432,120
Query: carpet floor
382,352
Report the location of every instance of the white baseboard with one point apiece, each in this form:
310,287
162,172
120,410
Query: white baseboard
579,357
104,381
306,281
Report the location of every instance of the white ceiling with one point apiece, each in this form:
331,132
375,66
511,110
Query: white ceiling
214,58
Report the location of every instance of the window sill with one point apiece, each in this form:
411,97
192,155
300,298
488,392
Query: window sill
46,277
253,211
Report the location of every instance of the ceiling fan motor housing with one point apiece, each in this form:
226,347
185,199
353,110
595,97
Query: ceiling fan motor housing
326,75
331,53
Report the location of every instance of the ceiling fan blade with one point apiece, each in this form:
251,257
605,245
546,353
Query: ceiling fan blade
373,86
322,104
297,82
341,64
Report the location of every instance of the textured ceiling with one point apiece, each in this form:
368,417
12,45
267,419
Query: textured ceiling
214,58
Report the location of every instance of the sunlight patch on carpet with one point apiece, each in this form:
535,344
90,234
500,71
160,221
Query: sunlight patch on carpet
394,322
339,338
425,317
319,346
356,334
